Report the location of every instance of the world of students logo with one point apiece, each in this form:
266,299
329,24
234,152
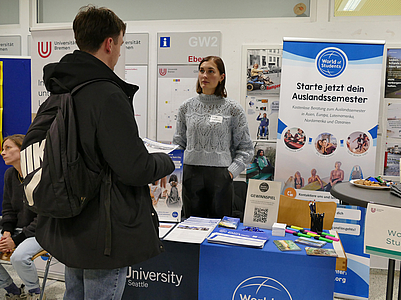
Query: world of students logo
261,287
331,62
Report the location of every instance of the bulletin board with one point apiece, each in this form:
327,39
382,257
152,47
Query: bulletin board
16,101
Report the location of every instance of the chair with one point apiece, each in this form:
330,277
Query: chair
43,253
297,212
49,257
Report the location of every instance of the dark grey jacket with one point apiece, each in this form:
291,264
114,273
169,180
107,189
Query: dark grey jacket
108,134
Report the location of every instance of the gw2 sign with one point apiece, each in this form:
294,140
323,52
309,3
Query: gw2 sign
261,288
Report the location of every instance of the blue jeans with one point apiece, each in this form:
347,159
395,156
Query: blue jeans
99,284
263,130
23,265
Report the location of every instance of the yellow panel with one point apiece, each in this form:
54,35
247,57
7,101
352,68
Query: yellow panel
369,8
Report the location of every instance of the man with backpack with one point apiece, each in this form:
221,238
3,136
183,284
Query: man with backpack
96,263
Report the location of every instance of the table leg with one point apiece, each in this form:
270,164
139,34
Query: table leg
390,279
399,285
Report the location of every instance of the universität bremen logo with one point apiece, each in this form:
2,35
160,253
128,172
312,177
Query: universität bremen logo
162,72
44,49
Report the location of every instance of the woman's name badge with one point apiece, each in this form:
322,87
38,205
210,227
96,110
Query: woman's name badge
216,119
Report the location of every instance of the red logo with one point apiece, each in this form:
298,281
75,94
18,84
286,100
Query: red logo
163,72
373,210
44,49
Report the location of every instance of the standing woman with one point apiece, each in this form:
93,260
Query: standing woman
213,131
19,224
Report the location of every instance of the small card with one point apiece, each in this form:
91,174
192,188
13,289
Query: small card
216,119
286,245
320,252
310,242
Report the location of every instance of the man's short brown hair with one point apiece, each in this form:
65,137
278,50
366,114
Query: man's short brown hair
93,25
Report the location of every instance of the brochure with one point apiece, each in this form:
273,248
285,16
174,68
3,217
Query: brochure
320,252
286,245
166,193
310,242
262,201
165,228
156,147
238,237
229,222
192,230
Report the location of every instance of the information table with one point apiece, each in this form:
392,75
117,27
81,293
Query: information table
213,271
351,194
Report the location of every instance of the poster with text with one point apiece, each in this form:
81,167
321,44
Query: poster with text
175,85
393,74
394,120
138,75
263,72
49,46
328,118
392,156
262,116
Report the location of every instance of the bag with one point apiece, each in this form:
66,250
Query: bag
57,182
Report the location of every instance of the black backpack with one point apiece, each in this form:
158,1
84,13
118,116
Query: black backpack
57,182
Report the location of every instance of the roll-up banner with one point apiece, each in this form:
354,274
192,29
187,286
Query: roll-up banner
329,104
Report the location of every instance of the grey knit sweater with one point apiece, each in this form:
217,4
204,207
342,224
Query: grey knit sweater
214,132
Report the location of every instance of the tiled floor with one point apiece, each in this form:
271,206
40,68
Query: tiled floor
378,281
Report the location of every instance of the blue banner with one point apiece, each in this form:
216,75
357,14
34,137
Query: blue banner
350,225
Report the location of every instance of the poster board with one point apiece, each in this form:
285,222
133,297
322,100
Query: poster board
326,100
16,100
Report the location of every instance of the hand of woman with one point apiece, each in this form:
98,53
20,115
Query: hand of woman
6,244
6,234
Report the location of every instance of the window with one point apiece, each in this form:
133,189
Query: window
49,10
9,12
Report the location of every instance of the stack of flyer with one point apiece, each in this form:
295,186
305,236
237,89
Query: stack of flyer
166,193
238,237
192,230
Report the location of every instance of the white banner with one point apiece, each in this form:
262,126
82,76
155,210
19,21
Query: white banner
383,231
329,103
49,46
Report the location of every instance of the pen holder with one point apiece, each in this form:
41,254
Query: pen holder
316,222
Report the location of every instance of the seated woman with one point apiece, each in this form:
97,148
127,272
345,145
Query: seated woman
255,72
298,180
19,223
263,163
314,177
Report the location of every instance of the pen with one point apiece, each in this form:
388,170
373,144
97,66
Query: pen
322,239
296,233
301,234
332,235
295,227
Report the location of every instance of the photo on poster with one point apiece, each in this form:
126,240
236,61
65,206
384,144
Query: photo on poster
392,158
394,120
263,72
264,159
326,143
294,138
262,115
358,142
393,74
